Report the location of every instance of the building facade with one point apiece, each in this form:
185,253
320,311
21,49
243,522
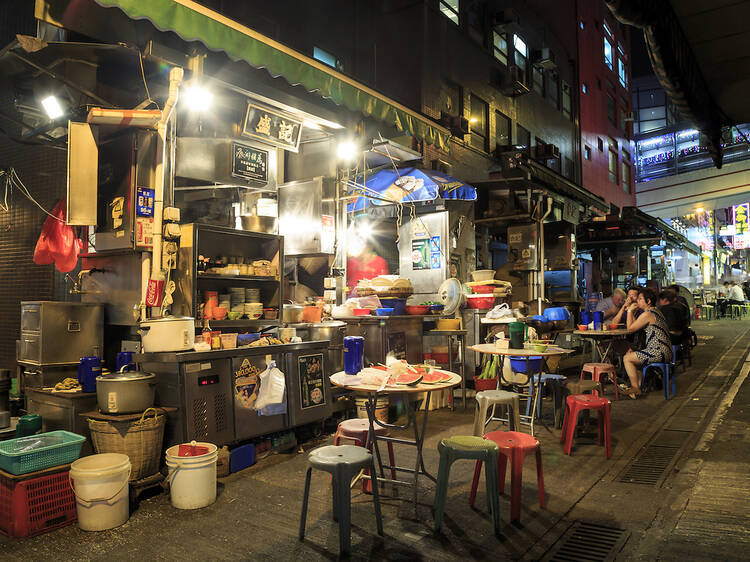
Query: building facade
606,104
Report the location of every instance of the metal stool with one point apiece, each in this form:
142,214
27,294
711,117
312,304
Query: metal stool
342,462
543,379
596,370
467,447
356,430
512,446
487,398
577,403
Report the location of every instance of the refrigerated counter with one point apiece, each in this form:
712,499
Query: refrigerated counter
214,391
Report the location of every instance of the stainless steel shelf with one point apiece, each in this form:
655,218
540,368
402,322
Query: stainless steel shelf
215,277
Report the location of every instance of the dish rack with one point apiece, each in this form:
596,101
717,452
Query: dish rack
18,457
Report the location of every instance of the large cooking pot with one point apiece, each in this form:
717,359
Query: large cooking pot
332,331
172,333
126,392
292,313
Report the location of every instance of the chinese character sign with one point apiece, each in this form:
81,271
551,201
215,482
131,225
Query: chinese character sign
272,127
741,235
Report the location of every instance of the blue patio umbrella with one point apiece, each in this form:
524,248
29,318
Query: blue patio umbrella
404,185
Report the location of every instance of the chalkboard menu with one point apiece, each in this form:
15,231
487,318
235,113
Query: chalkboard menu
249,163
311,380
272,127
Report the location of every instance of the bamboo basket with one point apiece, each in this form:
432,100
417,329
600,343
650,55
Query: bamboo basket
140,440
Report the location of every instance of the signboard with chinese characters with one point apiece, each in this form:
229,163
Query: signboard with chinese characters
249,163
272,127
741,224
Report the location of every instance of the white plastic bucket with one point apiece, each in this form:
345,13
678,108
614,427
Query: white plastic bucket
381,408
100,484
192,480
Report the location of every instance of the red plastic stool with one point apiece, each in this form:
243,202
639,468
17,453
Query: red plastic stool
513,446
356,430
574,405
597,369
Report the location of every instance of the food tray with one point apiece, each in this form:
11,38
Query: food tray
65,451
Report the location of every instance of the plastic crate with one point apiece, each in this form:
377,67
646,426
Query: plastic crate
36,505
241,457
64,452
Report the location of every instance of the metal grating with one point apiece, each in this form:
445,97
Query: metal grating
200,419
649,466
587,542
220,412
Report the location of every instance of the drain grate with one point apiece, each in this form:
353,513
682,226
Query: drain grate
587,542
649,466
671,438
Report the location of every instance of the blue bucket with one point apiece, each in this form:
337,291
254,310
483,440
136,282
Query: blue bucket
518,364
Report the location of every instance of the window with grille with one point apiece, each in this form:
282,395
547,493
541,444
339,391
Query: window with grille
500,47
502,130
478,123
613,166
449,8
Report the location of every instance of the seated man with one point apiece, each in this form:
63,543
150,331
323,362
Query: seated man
611,305
674,314
736,294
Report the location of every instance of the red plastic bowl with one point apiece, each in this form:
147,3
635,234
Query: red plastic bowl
361,312
483,289
417,309
483,302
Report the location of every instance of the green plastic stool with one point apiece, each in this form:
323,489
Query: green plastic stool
342,462
471,448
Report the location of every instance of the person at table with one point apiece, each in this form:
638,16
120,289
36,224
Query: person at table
658,345
630,298
682,301
674,314
736,295
611,305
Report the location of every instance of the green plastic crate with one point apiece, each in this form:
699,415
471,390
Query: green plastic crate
66,449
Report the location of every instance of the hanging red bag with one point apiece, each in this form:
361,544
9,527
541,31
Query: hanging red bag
57,242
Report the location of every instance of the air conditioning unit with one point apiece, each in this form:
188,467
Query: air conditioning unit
515,82
506,21
512,163
458,126
630,116
546,152
545,59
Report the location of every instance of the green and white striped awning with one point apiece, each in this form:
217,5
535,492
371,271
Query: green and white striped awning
193,22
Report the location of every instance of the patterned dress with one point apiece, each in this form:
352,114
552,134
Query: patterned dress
658,346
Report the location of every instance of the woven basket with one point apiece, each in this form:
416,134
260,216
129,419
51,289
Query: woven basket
140,440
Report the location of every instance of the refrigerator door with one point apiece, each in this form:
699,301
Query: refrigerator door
310,394
248,422
207,407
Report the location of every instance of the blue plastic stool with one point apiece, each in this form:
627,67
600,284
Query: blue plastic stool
543,379
666,375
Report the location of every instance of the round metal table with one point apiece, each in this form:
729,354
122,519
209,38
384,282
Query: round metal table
600,338
352,382
534,382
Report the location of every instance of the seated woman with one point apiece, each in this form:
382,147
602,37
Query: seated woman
657,347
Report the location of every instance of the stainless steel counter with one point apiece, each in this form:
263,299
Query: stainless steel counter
215,391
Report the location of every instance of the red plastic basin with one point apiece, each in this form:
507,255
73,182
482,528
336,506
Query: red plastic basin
481,302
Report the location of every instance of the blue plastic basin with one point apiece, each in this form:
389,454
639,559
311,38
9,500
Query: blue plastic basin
384,311
518,364
557,313
398,306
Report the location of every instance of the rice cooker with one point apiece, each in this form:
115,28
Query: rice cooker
172,333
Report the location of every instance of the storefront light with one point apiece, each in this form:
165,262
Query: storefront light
346,151
197,98
52,107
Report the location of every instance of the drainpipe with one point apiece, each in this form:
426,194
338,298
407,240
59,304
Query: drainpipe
157,277
540,292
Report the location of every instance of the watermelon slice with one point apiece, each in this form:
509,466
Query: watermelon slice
444,377
409,379
432,378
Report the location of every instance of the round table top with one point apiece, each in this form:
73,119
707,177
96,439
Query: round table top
602,333
340,379
490,348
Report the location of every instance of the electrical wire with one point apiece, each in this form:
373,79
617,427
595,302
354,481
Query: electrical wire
12,180
145,84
